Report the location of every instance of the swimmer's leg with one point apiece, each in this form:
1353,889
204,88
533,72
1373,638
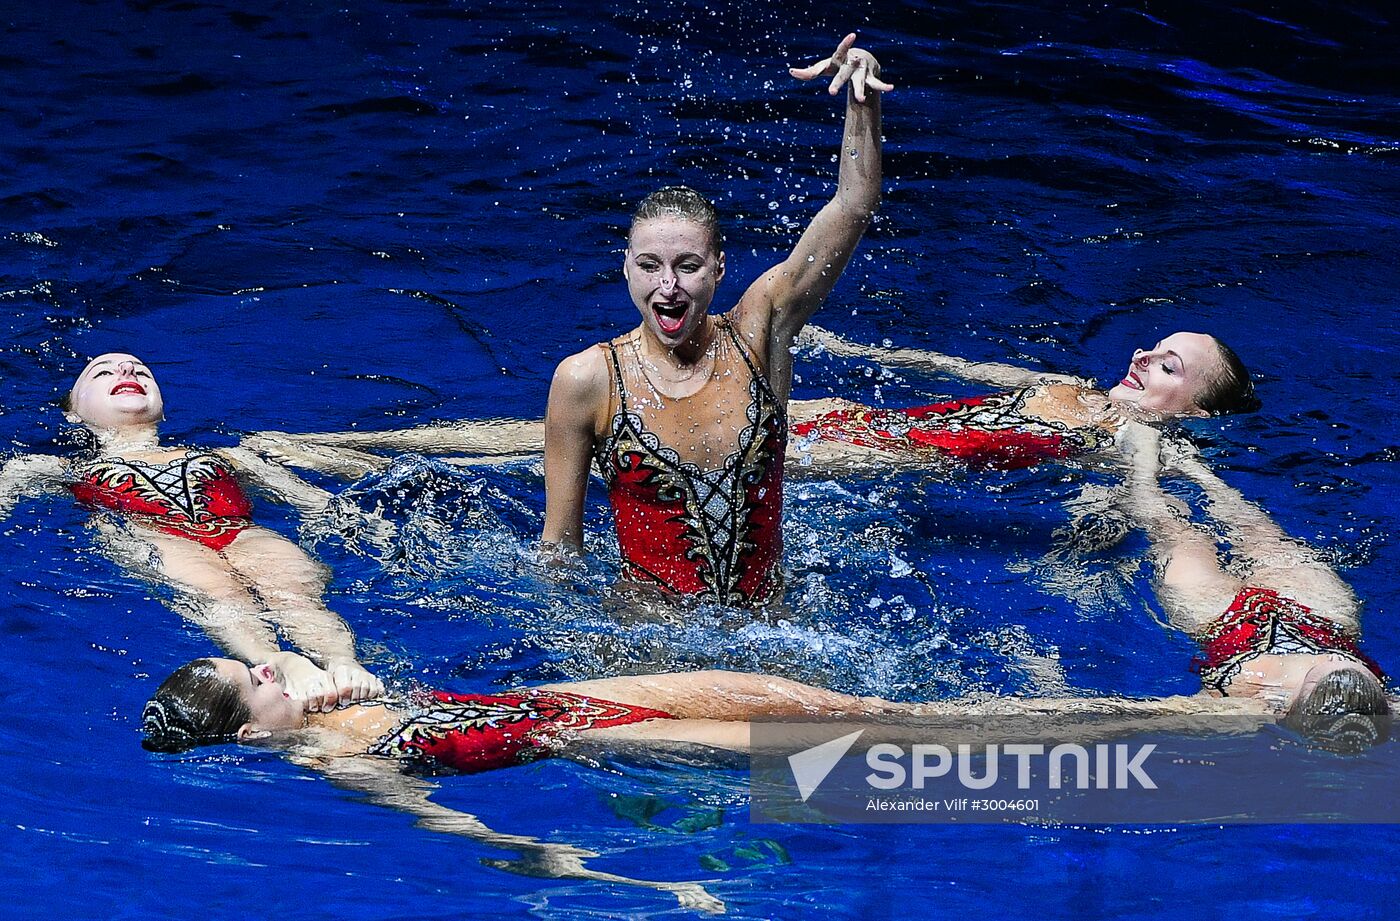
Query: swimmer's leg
214,596
1278,561
221,601
724,695
292,587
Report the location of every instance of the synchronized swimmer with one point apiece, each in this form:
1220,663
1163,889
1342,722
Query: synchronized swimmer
687,419
185,509
1038,416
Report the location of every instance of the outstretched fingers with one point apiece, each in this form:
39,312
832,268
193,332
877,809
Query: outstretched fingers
812,72
826,65
847,64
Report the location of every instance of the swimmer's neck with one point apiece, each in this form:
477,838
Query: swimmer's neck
128,439
364,722
689,352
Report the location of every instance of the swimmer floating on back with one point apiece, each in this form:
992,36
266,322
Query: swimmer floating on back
215,702
1286,633
1039,416
186,509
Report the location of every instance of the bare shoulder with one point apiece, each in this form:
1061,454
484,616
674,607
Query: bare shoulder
583,375
1061,389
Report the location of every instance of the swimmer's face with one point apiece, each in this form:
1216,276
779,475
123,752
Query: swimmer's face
672,268
1170,377
270,708
115,390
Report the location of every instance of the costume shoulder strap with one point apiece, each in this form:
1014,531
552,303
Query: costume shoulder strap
727,326
615,372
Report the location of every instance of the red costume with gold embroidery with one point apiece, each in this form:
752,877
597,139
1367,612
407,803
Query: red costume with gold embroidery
195,496
1261,621
712,532
986,431
481,732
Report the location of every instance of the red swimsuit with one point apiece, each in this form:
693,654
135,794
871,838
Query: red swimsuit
988,431
709,533
1261,621
481,732
195,496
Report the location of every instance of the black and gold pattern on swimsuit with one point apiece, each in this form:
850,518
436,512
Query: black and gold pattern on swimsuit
717,513
443,719
176,485
1006,411
998,412
718,517
525,718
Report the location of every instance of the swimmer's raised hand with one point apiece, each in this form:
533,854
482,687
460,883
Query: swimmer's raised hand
847,65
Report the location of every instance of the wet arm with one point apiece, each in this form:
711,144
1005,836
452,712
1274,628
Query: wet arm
277,481
337,514
996,374
383,784
294,451
482,437
792,290
579,388
28,475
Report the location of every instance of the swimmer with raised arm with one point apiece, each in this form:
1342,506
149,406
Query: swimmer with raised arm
185,508
686,416
1285,633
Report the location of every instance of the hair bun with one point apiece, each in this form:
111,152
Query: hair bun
162,733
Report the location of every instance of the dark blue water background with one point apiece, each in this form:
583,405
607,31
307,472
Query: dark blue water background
312,217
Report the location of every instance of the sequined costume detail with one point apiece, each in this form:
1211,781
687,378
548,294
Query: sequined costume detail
710,533
1260,621
985,431
481,732
194,496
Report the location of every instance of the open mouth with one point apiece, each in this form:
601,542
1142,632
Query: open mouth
128,387
1132,381
670,316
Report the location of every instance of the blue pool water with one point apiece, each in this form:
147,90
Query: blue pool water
309,217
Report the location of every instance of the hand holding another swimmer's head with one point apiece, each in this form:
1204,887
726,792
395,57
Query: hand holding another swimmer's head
343,681
847,64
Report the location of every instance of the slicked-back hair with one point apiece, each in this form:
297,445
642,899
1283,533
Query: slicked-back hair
194,706
682,202
1231,390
